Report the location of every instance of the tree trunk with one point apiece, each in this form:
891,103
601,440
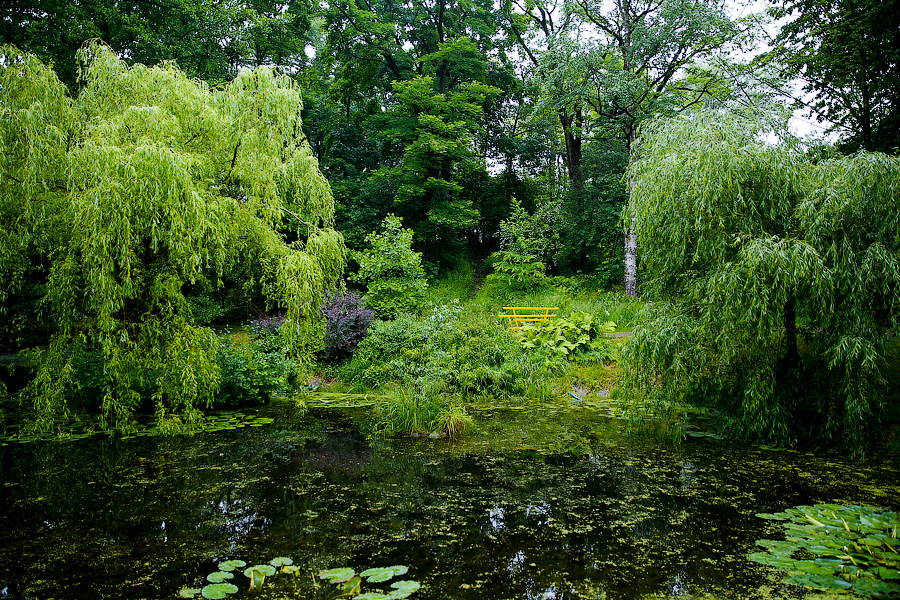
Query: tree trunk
631,261
631,244
573,147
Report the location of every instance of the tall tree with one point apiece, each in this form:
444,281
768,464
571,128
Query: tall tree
779,278
209,40
646,63
420,72
148,184
606,66
848,54
543,32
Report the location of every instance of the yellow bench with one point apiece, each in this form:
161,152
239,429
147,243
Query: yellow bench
523,315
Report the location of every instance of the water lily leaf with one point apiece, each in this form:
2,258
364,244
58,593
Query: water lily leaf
764,558
774,516
267,570
290,569
821,582
339,575
217,591
886,573
372,596
833,563
219,576
869,586
403,589
871,541
808,566
188,592
351,586
379,574
211,593
281,561
231,565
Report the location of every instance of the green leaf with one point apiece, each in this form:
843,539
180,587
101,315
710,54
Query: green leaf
338,575
379,574
267,570
219,576
868,586
403,589
372,596
772,560
186,592
217,591
281,561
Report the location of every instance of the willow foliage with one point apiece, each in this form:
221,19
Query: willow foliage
149,182
777,278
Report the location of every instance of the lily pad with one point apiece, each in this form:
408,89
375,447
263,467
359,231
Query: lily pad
868,586
267,570
217,591
188,592
821,582
764,558
338,575
372,596
404,589
886,573
231,565
350,586
281,561
379,574
219,576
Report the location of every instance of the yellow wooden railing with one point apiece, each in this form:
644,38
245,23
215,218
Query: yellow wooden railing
523,315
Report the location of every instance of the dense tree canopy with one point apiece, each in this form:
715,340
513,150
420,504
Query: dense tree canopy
770,267
210,40
118,202
848,54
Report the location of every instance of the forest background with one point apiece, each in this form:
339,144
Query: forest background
496,131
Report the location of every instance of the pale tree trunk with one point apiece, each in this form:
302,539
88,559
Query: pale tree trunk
631,261
631,245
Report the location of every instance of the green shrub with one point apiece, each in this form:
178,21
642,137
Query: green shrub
391,271
250,374
579,336
520,271
266,333
444,353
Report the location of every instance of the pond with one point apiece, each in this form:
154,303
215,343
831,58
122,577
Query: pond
536,504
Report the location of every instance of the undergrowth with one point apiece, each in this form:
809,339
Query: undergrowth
460,352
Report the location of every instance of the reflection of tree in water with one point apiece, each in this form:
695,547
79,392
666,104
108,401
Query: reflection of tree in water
348,452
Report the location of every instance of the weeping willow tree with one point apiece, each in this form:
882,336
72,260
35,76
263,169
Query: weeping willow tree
145,184
777,279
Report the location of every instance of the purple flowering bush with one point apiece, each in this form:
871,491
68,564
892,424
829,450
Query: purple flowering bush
266,326
347,322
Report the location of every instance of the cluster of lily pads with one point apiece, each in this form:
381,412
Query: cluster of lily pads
349,584
219,585
213,422
80,427
836,547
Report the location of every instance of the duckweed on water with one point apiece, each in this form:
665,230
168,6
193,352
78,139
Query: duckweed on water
836,547
552,502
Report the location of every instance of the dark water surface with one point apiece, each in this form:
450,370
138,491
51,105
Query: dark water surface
532,506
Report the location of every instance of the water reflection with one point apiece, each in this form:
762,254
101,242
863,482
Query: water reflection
500,516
